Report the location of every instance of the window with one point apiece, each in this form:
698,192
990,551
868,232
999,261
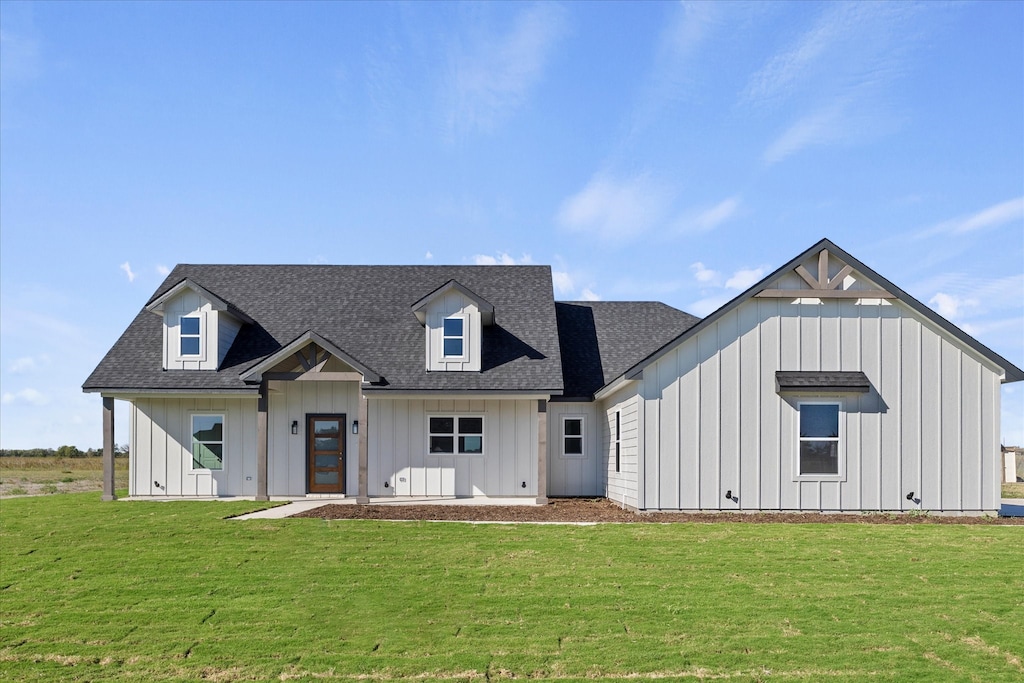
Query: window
455,434
819,439
572,437
618,441
454,337
207,442
188,331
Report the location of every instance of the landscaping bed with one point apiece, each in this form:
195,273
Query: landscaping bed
583,510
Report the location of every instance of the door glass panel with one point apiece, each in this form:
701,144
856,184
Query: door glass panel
326,427
326,444
329,477
327,461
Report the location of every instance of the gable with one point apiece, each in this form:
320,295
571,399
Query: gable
826,276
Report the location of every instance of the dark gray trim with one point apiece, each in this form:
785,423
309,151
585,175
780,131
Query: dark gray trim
486,308
155,305
185,392
255,373
805,381
1012,372
458,392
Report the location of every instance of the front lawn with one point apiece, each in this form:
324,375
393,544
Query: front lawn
172,591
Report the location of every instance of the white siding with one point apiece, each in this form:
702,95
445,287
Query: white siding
714,422
286,452
453,303
574,475
398,449
217,332
160,460
623,486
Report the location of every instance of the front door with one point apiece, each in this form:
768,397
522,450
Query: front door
325,450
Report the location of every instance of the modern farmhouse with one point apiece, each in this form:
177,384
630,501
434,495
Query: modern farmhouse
822,387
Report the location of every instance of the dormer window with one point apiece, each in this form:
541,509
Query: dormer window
189,334
454,337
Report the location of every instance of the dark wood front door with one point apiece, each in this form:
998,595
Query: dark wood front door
325,448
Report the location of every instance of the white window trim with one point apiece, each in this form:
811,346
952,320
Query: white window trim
223,442
201,356
582,437
840,442
464,337
455,435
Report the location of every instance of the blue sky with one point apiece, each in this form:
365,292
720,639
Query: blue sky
647,151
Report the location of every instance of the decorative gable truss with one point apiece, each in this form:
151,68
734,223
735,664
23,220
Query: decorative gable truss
199,326
453,317
310,357
842,284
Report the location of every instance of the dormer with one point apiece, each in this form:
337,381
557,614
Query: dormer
199,327
453,317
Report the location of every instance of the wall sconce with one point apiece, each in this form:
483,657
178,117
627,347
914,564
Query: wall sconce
355,426
295,426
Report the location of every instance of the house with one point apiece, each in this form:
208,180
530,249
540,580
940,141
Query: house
822,387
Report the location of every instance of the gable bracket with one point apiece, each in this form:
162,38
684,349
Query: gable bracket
823,287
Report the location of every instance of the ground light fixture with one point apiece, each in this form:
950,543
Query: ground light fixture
910,496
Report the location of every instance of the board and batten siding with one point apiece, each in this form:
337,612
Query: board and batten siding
575,475
398,449
453,303
161,448
217,332
715,423
286,452
623,486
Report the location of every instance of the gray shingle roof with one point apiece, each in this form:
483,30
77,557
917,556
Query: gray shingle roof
364,310
602,339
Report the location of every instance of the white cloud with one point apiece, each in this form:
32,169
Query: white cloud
163,271
494,76
746,277
562,282
127,268
28,395
589,295
949,306
704,275
24,364
703,307
822,127
502,259
428,256
616,209
709,219
1010,211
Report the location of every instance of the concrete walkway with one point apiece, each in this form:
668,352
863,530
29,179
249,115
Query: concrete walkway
294,507
1011,507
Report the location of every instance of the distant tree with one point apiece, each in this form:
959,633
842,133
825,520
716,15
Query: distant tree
69,452
121,450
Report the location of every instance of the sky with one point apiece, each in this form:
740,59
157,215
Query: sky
647,151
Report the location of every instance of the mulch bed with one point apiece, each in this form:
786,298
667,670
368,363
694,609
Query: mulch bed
569,510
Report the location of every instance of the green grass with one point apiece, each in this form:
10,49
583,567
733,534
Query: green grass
1013,490
31,475
93,591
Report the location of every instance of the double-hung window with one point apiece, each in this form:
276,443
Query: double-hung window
207,442
454,337
819,439
572,437
189,335
455,434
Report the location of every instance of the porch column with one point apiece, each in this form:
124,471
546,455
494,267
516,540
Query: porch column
542,452
108,449
364,456
261,443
